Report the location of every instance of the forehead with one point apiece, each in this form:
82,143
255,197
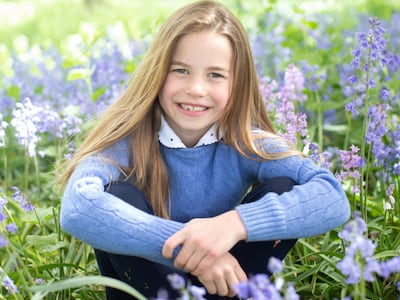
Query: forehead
204,47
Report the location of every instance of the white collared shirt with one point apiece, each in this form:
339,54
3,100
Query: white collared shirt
170,139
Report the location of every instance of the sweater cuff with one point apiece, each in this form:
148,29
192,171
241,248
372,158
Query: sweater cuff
264,219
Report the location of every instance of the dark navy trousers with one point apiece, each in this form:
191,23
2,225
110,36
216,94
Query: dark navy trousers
148,277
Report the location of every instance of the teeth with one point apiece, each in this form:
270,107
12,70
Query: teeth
193,108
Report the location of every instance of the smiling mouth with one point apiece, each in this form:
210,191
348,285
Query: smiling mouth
192,108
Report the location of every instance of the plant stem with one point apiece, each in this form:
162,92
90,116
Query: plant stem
364,169
319,121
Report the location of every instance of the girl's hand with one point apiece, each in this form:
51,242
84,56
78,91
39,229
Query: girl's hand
204,240
222,276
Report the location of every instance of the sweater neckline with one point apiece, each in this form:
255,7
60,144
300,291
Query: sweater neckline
168,137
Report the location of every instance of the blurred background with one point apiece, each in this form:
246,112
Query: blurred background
50,21
62,62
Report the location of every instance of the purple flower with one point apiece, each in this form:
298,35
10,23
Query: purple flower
391,266
3,216
354,228
12,228
3,242
176,281
291,293
351,163
197,292
349,267
260,287
8,283
275,265
350,159
269,94
39,281
359,252
323,159
353,79
384,93
21,199
313,78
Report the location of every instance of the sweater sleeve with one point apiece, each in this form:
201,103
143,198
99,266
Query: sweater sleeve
314,206
107,222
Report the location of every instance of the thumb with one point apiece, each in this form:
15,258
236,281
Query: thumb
171,243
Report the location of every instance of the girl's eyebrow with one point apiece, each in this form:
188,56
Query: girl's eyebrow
213,68
176,62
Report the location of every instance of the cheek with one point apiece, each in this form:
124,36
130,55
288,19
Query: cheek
223,97
164,93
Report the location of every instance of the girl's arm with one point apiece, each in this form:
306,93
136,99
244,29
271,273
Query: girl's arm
106,222
316,205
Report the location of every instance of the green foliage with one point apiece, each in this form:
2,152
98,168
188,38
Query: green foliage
46,263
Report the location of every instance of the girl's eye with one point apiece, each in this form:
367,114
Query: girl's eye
181,71
215,75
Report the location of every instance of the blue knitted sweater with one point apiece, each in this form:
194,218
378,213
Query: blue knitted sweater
204,181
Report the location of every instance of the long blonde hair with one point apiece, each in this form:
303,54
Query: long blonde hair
136,114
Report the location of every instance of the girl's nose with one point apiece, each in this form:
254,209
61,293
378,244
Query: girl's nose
196,87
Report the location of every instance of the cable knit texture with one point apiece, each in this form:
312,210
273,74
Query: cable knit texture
205,181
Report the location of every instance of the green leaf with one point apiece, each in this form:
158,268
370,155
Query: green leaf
43,214
14,91
386,254
47,243
97,93
309,24
79,73
336,128
82,281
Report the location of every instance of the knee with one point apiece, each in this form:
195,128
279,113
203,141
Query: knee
129,193
279,185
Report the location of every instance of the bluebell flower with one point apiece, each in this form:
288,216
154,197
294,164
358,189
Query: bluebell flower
3,242
314,78
349,267
8,283
384,93
390,266
12,228
268,46
22,200
176,281
197,292
275,265
261,286
292,123
39,281
371,267
3,216
353,79
368,59
323,159
291,293
358,261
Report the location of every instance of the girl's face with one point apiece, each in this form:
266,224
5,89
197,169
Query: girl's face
198,85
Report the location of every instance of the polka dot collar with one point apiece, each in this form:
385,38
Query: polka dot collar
170,139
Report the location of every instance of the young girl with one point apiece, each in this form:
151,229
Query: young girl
184,172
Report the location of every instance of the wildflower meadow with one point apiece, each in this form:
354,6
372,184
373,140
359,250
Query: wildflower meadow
330,78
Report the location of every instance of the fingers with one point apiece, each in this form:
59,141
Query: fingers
189,258
222,280
221,286
192,254
171,243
